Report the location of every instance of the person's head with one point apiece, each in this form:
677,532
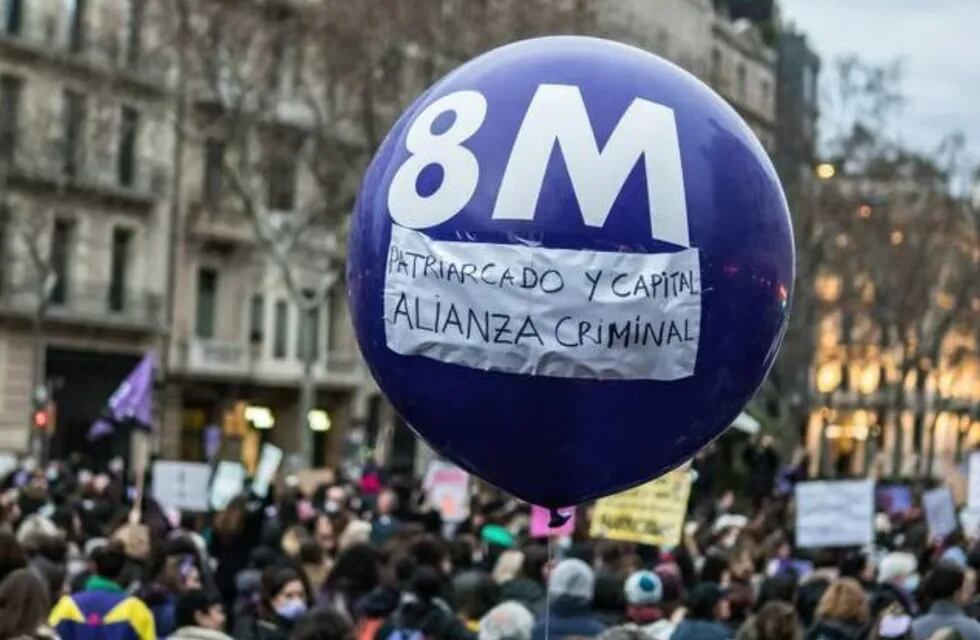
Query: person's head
944,582
858,565
323,623
845,601
356,571
12,556
535,561
292,540
283,593
715,569
230,522
572,579
777,620
781,587
507,621
24,603
387,502
199,608
707,601
899,569
643,589
508,566
946,633
109,561
482,595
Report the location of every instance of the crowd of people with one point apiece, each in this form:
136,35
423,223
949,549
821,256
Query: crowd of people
368,558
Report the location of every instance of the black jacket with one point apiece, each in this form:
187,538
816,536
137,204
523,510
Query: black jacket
836,630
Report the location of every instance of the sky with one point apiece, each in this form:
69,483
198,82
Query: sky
936,42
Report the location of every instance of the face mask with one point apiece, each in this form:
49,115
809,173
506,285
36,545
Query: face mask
911,583
291,609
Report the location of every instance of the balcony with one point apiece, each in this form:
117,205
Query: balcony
41,38
87,303
237,360
219,224
97,173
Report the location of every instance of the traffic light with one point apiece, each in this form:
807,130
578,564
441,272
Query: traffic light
41,419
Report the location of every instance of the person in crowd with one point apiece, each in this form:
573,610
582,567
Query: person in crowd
897,583
103,609
812,588
762,461
571,589
842,613
707,614
528,586
643,592
775,620
423,612
509,620
12,556
355,574
623,632
385,523
284,600
481,596
944,588
323,623
178,573
24,606
894,623
610,574
199,615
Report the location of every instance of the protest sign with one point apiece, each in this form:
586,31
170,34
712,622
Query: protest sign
448,489
652,513
835,513
181,485
8,462
893,499
973,482
269,460
229,480
940,511
541,519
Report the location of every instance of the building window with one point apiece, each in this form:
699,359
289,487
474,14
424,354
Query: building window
122,240
282,329
4,232
128,130
740,82
14,19
282,183
256,320
76,24
214,158
10,91
134,33
716,65
808,86
62,240
309,329
207,301
765,90
73,127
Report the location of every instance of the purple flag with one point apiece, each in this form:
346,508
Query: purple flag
131,404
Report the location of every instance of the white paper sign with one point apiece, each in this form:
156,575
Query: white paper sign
448,489
181,485
835,513
940,511
269,460
973,482
550,312
229,480
8,462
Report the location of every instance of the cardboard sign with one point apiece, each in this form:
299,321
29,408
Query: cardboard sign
940,511
448,489
652,513
269,460
181,485
541,517
835,513
229,481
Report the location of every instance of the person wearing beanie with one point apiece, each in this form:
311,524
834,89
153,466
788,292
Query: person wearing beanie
643,591
571,588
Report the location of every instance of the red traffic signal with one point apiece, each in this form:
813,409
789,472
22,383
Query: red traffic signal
41,419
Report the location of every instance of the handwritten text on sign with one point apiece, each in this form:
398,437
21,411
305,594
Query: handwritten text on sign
652,513
538,311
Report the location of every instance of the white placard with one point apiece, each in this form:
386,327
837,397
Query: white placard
229,480
537,311
269,460
448,490
973,482
8,462
835,513
181,485
940,511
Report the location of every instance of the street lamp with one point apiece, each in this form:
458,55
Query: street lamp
826,171
829,377
319,420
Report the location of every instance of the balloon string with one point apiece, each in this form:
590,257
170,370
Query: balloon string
547,591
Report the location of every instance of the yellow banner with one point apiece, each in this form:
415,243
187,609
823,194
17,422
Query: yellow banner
652,513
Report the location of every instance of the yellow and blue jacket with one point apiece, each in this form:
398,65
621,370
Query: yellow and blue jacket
102,611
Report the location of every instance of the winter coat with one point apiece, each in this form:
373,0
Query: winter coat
198,633
433,619
836,630
249,628
942,614
523,590
569,617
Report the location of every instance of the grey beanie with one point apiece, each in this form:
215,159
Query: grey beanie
572,577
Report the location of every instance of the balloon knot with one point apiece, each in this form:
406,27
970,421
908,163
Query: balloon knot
558,519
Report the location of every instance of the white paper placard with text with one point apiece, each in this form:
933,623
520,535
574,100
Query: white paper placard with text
181,485
539,311
836,513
